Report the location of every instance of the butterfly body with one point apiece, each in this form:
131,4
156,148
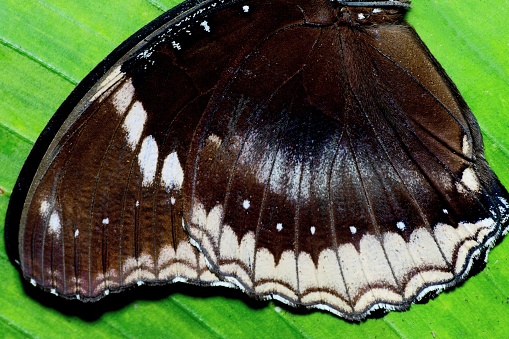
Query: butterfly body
318,155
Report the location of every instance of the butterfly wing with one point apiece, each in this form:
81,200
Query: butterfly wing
338,167
318,155
104,209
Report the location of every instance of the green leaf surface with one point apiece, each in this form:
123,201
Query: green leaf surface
47,47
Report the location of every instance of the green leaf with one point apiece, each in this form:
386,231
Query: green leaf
46,47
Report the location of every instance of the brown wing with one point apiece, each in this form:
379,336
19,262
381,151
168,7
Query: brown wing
107,209
337,167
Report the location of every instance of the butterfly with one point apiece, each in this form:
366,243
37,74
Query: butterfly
312,152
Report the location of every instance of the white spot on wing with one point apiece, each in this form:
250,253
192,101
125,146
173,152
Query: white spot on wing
172,200
53,291
279,227
361,16
245,9
134,123
55,226
32,281
123,97
76,233
176,45
466,146
44,209
313,230
445,211
214,139
106,221
376,10
468,180
205,26
147,159
172,174
246,204
353,229
401,225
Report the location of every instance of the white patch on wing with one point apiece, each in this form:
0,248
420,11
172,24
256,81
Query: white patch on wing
147,159
55,225
106,221
246,204
376,270
422,243
138,269
351,266
44,209
424,252
504,202
269,273
465,148
308,277
326,276
205,26
181,262
205,227
468,235
235,255
279,227
214,140
313,230
172,174
468,181
123,97
106,281
134,123
176,45
76,233
353,229
401,225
